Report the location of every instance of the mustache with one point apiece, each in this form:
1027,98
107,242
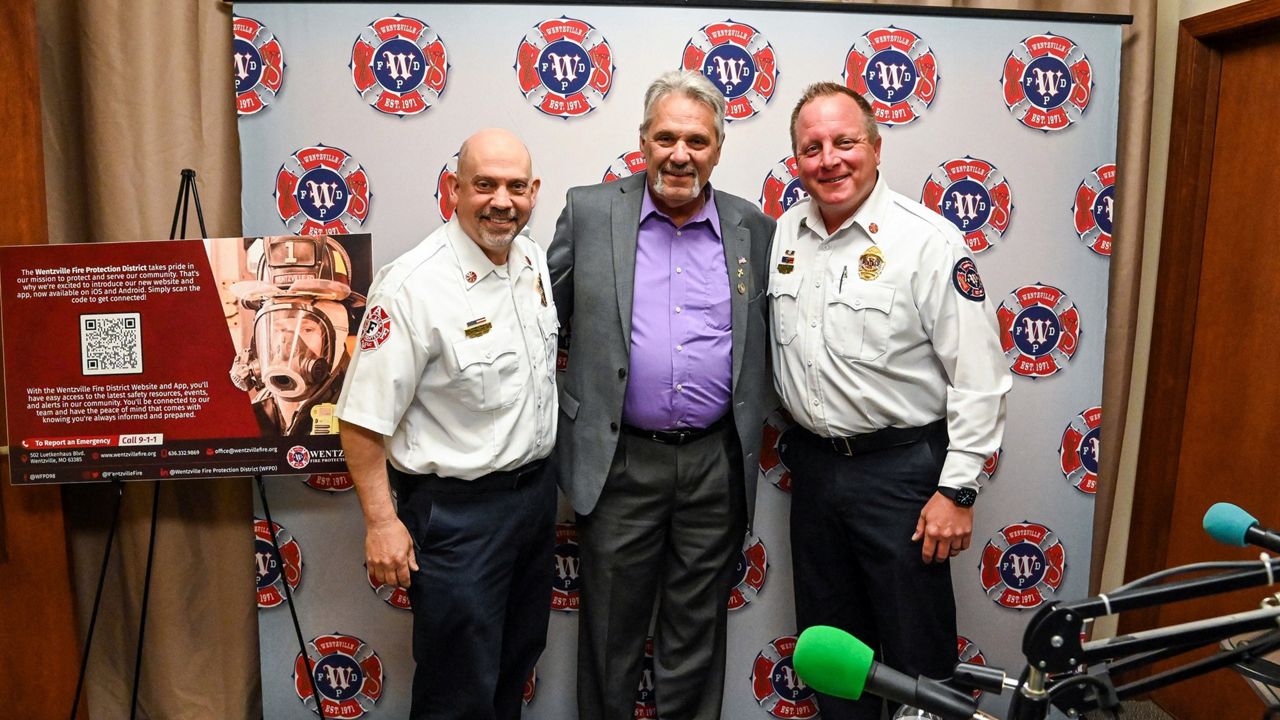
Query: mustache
499,215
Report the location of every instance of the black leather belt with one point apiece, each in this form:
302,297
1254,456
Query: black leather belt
679,436
880,439
494,481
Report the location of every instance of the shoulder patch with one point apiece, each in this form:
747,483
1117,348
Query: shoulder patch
376,328
964,276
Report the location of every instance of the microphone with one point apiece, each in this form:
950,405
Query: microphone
834,662
1230,525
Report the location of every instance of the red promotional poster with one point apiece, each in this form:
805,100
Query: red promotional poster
179,359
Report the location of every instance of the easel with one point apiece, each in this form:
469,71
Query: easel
187,192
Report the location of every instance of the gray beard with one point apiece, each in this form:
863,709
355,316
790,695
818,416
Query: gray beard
659,185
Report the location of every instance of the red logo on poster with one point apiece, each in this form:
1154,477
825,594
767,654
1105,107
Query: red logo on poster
330,482
399,65
566,587
298,457
895,71
322,190
1047,82
1094,208
739,61
393,595
989,466
530,687
258,62
967,651
346,671
625,165
273,570
564,67
781,188
646,705
770,458
1022,565
753,568
445,203
1079,448
1039,330
777,687
974,196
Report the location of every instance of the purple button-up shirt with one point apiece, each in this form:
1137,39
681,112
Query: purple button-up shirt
681,325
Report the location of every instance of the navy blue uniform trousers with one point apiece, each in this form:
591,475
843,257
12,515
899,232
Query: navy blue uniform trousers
855,566
482,594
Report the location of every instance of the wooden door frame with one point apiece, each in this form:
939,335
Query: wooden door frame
1201,42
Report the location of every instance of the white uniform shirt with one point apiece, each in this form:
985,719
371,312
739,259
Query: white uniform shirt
456,359
904,347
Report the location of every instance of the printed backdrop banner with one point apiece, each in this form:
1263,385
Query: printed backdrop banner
191,358
351,115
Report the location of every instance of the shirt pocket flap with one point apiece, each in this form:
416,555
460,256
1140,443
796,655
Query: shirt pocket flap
483,349
865,296
780,284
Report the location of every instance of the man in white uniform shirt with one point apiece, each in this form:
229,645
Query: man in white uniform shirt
451,401
886,353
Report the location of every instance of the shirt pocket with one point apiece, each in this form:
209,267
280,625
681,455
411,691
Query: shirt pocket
857,323
549,325
488,371
784,309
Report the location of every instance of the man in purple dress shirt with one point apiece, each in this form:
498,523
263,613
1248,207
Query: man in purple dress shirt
661,279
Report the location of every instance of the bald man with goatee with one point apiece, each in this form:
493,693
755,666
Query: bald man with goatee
450,400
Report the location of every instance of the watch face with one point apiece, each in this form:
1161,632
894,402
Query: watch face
965,497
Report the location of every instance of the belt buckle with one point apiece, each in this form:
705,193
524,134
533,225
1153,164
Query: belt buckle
846,450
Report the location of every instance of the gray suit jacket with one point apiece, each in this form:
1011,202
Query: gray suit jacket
592,265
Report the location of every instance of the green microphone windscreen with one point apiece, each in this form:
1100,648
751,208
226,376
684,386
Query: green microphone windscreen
1228,524
832,661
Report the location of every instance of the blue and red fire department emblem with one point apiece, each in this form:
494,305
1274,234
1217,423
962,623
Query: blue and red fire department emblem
393,595
625,165
298,457
975,196
739,61
1047,82
1094,208
968,652
775,471
321,191
1078,451
399,65
566,586
272,570
330,482
258,63
752,569
646,702
564,67
782,188
777,687
989,467
445,202
1022,565
346,671
895,71
1039,330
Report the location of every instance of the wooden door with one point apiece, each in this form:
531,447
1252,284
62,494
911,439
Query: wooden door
37,620
1211,428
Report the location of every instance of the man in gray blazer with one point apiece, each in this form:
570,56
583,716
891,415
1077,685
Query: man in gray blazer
661,281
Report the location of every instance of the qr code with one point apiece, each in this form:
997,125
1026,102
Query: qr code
111,344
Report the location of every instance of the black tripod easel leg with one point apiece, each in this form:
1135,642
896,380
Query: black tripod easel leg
288,595
187,192
97,599
146,599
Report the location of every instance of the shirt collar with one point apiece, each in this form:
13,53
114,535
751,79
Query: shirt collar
707,213
472,262
869,216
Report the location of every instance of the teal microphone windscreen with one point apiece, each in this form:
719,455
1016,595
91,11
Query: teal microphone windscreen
1227,523
832,661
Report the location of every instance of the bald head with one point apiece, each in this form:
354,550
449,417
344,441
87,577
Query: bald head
495,190
493,142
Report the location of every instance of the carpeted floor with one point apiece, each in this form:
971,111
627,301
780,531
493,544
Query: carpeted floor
1137,710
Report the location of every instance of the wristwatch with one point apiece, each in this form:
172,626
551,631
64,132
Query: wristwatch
964,497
